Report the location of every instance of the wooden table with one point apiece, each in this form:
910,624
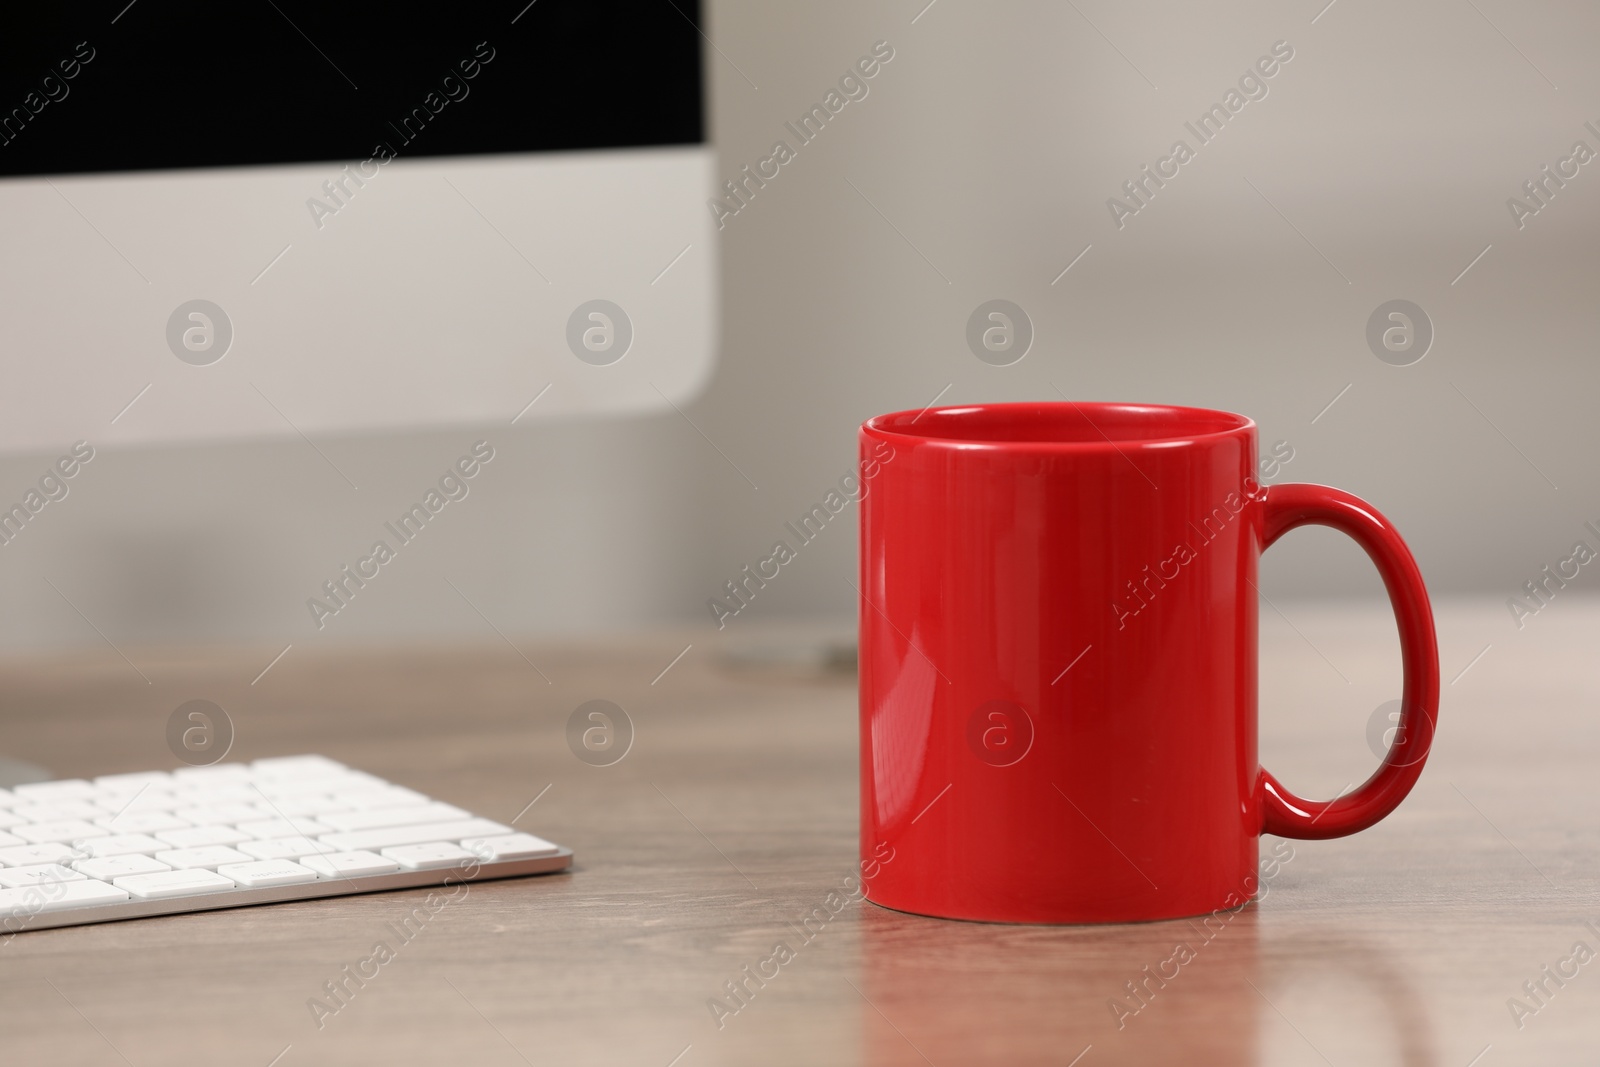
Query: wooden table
734,816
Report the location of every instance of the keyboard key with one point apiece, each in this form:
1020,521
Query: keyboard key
132,783
143,822
225,814
81,894
284,848
345,783
21,877
360,780
66,789
32,855
510,847
7,798
213,857
202,836
433,854
350,864
378,818
10,839
57,896
122,845
260,873
213,772
278,792
266,829
56,810
8,820
205,796
20,902
149,800
70,830
181,883
313,805
390,796
113,867
414,835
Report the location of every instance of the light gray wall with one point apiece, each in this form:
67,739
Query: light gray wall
978,166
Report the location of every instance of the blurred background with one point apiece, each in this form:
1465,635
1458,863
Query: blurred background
1377,167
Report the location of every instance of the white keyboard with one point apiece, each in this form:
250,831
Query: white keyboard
128,846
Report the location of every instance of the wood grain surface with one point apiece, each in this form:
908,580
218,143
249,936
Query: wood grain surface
733,817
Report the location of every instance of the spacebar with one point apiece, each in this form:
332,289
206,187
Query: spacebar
352,840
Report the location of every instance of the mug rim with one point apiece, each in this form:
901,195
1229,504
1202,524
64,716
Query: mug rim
1211,425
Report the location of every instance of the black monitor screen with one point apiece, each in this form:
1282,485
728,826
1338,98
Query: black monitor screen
157,84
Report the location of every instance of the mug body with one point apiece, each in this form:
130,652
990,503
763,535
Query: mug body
1058,661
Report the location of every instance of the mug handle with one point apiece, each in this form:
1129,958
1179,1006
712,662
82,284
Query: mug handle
1286,815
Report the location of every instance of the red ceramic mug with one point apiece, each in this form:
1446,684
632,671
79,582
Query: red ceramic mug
1058,662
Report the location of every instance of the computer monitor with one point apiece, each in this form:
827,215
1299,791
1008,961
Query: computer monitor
287,218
